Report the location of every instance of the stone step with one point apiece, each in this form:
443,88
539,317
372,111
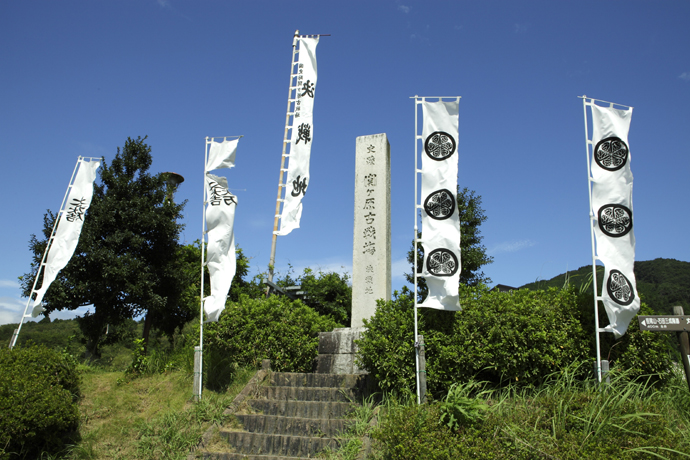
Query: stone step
294,426
286,393
303,409
285,445
237,456
289,379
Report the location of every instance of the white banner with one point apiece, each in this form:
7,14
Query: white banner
613,212
69,228
302,133
440,218
221,154
221,259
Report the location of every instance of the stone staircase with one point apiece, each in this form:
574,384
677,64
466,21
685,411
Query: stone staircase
286,416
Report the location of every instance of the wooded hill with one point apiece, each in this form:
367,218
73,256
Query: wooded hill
661,283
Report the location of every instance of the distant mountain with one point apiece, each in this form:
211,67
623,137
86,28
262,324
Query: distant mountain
661,283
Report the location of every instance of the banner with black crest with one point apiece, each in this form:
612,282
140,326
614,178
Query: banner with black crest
440,218
612,212
297,180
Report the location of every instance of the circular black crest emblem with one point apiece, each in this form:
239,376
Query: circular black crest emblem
611,153
442,262
620,288
440,204
439,145
615,220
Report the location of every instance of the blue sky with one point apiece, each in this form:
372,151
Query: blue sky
79,77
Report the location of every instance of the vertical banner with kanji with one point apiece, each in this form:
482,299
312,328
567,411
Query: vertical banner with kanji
302,134
440,218
69,227
222,265
612,212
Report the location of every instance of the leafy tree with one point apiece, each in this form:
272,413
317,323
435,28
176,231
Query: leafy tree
126,262
328,294
189,256
472,253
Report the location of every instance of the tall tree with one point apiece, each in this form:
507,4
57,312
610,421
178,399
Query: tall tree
473,254
125,262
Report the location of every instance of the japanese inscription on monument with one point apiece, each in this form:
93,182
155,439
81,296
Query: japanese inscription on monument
371,262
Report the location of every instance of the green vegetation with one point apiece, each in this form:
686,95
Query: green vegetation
516,338
662,283
39,390
498,337
565,418
277,328
328,294
126,262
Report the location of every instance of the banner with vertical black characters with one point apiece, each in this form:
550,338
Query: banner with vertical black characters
440,218
221,260
297,180
69,228
612,209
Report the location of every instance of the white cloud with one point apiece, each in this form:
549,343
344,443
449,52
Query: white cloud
9,284
685,76
511,246
404,9
521,28
11,309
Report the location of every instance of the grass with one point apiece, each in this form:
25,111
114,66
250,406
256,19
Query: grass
563,419
149,417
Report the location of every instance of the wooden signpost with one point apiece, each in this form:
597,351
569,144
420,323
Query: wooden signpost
678,323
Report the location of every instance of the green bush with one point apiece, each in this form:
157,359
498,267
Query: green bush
277,328
328,294
642,354
517,338
39,391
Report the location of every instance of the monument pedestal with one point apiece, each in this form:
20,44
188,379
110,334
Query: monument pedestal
337,351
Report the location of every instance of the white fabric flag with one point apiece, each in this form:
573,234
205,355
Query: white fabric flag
613,212
440,218
222,264
302,133
221,154
69,228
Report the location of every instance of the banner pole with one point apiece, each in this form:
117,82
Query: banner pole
416,239
286,142
198,386
49,244
591,229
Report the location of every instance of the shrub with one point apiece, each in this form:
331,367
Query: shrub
39,390
518,337
277,328
641,354
328,294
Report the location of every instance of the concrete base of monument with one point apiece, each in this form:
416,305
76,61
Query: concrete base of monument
337,351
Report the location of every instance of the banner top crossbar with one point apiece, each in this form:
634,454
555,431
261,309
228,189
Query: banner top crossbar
601,100
223,137
436,97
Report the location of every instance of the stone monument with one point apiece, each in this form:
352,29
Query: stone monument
371,253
